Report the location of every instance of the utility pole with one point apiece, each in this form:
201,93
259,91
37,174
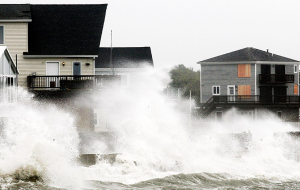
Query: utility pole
111,48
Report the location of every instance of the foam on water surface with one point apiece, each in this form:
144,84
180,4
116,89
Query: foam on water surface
154,139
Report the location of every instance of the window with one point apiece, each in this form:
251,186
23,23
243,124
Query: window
219,116
296,89
244,90
1,34
295,68
244,70
279,114
216,90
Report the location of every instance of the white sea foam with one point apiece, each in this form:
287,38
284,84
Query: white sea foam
154,138
39,140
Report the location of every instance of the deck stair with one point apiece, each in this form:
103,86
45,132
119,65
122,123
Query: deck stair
208,107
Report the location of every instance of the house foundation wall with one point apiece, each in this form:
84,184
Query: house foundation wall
284,114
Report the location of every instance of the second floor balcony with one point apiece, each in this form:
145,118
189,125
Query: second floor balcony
69,82
276,78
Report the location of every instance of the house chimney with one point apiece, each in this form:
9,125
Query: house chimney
267,50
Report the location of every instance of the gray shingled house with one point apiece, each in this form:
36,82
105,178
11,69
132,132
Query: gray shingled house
250,80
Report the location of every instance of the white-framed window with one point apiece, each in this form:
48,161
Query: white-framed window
295,68
1,34
216,90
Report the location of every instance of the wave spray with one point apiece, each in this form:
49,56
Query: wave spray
157,144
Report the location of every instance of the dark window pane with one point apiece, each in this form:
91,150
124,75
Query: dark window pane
219,116
1,35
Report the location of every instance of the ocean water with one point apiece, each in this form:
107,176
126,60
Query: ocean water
158,146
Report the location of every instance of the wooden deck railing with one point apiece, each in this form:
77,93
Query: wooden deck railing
64,82
210,105
276,78
257,99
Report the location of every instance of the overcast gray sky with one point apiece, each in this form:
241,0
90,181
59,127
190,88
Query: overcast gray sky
188,31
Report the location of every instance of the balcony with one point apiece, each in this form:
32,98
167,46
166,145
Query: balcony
256,99
247,101
69,82
275,78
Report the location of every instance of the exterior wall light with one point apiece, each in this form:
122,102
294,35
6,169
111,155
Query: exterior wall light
87,64
63,63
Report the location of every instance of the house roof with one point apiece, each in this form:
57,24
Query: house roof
15,11
65,30
124,57
249,54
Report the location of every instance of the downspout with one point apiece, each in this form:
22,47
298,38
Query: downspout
255,79
255,86
111,49
17,70
200,85
298,78
298,93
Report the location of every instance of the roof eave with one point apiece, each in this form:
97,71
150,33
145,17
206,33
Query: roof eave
58,56
15,20
248,62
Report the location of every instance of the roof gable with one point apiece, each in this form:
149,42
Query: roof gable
249,54
124,57
15,11
65,29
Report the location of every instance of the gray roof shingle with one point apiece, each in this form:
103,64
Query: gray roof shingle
65,29
249,54
124,57
14,11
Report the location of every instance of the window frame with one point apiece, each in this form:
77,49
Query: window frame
2,35
217,87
